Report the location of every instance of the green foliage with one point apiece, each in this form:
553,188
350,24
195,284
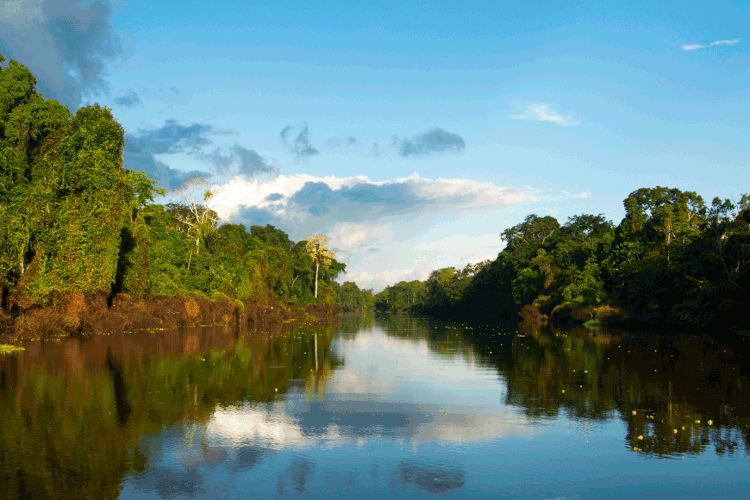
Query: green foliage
72,218
671,259
351,298
402,296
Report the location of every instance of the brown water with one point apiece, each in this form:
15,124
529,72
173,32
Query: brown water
386,406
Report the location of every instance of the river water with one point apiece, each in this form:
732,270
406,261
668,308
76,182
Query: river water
376,406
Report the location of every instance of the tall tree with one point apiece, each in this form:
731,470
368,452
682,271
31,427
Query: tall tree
317,248
199,216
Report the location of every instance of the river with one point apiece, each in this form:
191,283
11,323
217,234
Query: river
373,406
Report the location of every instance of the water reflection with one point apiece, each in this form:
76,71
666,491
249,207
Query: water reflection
390,404
432,478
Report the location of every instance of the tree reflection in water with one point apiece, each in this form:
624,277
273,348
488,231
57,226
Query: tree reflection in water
82,415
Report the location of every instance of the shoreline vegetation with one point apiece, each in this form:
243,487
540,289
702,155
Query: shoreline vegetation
84,249
672,262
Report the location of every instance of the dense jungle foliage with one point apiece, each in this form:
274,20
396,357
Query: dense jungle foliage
72,218
672,259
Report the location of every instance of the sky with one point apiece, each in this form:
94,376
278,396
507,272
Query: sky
410,133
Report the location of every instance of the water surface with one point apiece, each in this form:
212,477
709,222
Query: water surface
376,406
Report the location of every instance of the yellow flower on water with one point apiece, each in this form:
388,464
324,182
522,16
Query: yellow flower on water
697,421
634,412
675,431
710,422
640,437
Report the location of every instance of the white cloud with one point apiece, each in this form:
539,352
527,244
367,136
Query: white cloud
542,112
468,255
726,42
347,236
385,232
695,46
378,281
324,201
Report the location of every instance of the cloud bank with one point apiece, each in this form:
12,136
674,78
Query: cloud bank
325,200
66,44
542,112
370,222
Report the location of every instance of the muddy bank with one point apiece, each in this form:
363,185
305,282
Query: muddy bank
83,313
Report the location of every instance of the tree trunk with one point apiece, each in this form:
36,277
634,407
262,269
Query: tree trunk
317,265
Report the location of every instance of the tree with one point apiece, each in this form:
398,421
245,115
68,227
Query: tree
317,249
664,215
200,218
523,240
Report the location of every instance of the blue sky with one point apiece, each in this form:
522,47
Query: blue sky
411,133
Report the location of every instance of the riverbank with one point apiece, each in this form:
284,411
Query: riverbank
590,317
72,313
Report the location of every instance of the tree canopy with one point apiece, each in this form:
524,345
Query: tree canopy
671,259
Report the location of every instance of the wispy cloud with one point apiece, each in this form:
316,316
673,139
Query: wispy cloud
695,46
174,138
726,42
337,142
542,112
300,146
128,100
238,160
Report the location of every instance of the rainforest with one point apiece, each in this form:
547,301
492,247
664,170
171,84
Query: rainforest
77,229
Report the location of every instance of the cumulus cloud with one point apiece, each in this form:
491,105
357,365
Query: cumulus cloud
370,223
67,44
435,140
350,235
300,145
542,112
128,100
695,46
325,200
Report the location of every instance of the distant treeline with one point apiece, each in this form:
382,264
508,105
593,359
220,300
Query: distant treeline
671,259
72,218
